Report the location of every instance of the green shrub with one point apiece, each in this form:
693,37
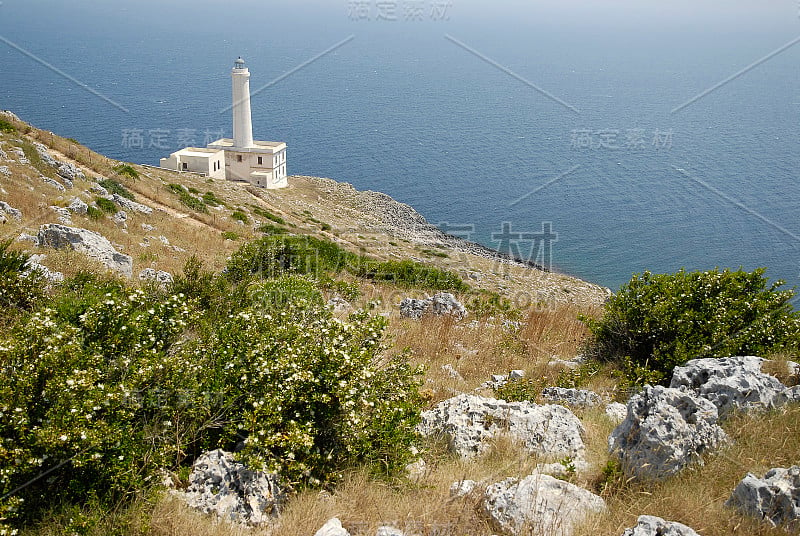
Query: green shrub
658,322
6,126
522,390
275,255
268,228
20,289
106,205
193,190
304,395
240,216
70,404
408,272
280,292
188,199
210,199
268,215
126,170
325,227
115,187
230,235
94,213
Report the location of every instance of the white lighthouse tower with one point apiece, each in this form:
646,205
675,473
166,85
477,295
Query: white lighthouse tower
242,119
260,163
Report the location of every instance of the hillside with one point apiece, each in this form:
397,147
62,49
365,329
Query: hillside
295,333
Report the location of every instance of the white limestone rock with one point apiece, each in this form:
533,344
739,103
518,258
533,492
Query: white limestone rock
34,264
88,242
452,372
332,528
222,486
69,172
439,304
774,498
64,215
580,398
731,383
616,412
21,158
655,526
120,217
131,206
54,183
78,206
44,154
665,430
462,488
150,274
4,170
7,211
539,504
470,421
99,190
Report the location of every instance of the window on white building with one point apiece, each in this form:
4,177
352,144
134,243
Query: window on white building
260,161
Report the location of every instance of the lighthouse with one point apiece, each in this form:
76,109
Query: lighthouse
242,119
241,158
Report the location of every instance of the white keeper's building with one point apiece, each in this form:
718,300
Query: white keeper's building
261,163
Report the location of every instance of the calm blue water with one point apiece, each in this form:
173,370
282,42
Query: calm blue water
402,109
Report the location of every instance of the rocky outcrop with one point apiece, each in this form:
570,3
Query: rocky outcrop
7,211
439,304
54,183
616,412
580,398
149,274
469,422
64,215
333,527
774,498
219,485
69,172
88,242
655,526
731,383
131,206
78,206
539,504
50,276
664,431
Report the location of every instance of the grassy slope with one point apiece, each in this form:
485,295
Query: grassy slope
475,350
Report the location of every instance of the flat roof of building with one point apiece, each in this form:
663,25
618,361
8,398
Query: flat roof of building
197,151
258,146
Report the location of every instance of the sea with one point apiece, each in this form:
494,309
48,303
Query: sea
600,138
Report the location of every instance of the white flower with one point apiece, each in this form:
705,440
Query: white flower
63,437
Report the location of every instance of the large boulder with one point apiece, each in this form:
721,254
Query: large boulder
774,498
731,383
88,242
655,526
222,486
439,304
539,504
664,431
469,422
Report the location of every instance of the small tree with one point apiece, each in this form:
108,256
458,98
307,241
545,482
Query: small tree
659,321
